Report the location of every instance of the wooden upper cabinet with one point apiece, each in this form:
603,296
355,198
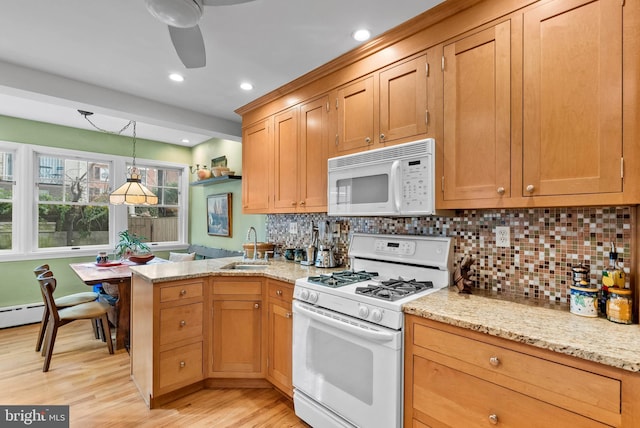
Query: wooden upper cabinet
356,122
313,155
573,98
403,101
477,115
257,150
285,158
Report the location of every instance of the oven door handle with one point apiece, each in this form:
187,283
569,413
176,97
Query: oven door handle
379,336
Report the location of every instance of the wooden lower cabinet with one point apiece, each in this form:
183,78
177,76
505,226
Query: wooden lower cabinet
237,339
280,333
457,377
167,337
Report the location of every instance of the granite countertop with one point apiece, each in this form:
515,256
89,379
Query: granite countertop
592,339
277,268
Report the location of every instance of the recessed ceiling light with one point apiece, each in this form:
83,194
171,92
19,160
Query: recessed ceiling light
185,140
246,86
361,35
176,77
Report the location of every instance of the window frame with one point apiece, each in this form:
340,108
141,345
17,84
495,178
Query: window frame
25,209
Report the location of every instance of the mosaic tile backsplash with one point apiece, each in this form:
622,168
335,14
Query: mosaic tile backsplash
545,243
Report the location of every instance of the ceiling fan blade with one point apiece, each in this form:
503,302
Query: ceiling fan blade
189,45
223,2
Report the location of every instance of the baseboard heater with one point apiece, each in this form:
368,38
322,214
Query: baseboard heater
11,316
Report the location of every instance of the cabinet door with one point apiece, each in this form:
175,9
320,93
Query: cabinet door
314,134
477,121
237,337
286,172
280,345
573,98
257,151
403,101
355,109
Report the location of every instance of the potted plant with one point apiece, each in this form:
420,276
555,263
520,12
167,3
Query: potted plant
131,245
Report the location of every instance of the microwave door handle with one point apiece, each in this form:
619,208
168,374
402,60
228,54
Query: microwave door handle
396,185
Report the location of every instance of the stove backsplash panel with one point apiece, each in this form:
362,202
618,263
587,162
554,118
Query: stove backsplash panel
545,243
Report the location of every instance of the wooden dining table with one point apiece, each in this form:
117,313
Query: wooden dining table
113,273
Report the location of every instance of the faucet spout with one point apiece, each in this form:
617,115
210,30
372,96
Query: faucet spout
255,241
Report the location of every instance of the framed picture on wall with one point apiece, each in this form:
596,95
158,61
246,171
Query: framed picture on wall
219,220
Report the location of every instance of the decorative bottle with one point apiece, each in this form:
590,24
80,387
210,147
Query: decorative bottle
613,276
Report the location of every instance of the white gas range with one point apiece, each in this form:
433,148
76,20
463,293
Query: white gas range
348,329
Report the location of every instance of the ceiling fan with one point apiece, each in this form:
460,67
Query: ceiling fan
182,17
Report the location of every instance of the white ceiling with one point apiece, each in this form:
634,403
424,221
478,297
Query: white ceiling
112,57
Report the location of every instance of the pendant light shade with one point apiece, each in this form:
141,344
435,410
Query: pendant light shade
133,192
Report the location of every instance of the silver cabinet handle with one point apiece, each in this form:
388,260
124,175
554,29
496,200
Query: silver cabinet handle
183,323
382,136
182,364
183,292
287,315
279,292
367,140
494,361
500,190
530,188
301,203
493,419
257,306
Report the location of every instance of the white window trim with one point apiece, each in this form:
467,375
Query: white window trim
25,197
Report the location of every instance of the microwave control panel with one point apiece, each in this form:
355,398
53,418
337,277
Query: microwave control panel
405,248
415,184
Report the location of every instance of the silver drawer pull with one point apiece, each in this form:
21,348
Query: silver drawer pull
182,364
257,306
530,188
183,323
279,292
494,361
287,315
501,190
493,419
183,292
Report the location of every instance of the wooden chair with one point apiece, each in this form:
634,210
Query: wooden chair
61,302
60,317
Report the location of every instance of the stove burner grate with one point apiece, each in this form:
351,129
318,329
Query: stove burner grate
340,279
394,289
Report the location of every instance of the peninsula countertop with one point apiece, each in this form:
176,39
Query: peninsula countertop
277,268
592,339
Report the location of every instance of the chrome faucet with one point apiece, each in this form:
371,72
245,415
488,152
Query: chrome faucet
255,241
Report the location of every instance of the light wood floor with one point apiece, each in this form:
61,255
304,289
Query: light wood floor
100,393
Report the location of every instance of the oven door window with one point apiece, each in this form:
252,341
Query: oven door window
350,374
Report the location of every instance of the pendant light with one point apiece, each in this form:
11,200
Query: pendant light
132,192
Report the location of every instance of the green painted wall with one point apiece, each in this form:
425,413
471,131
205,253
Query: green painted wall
202,154
17,283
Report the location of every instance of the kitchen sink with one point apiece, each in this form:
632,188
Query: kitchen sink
240,266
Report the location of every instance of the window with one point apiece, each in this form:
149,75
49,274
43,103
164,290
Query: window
56,201
73,202
6,200
158,223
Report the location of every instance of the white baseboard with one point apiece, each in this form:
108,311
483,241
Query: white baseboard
11,316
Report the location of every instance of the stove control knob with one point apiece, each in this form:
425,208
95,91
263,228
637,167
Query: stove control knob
376,315
363,311
313,296
304,294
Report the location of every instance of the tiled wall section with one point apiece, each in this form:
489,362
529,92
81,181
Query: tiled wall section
545,243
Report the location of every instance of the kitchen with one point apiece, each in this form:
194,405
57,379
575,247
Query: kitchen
546,236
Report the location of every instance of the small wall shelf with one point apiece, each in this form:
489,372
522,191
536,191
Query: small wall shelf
216,180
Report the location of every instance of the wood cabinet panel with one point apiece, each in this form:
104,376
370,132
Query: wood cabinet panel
356,120
237,338
477,115
257,152
280,332
182,291
285,158
573,98
313,155
180,323
180,366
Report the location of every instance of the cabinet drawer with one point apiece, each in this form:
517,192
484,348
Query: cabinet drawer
240,287
457,399
180,322
179,292
569,387
280,291
180,366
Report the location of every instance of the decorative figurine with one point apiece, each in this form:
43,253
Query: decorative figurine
463,273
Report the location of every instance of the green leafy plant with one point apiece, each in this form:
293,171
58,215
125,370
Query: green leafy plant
129,244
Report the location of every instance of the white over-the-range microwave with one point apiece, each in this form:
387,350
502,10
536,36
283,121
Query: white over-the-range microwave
391,181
